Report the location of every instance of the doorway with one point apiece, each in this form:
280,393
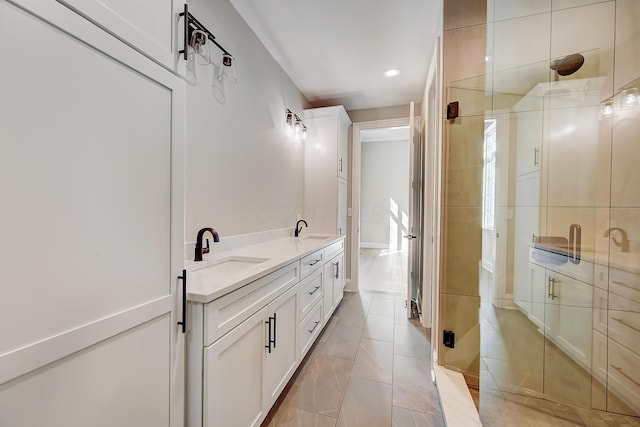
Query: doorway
384,209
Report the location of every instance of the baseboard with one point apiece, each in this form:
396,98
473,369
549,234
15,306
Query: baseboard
456,402
374,245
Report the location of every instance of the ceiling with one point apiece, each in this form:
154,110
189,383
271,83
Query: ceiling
336,51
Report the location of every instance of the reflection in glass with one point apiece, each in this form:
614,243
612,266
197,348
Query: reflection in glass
564,324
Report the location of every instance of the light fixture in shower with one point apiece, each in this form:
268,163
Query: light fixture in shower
295,125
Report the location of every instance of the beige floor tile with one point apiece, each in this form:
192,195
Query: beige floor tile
366,403
298,418
402,417
383,270
374,361
382,306
343,342
352,317
412,341
378,328
412,386
323,386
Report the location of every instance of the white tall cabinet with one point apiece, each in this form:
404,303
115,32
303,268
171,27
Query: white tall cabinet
326,169
91,225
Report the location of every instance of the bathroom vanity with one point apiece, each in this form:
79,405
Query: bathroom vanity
253,314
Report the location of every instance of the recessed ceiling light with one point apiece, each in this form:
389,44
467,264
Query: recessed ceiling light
394,72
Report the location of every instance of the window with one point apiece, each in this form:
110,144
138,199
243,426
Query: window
489,175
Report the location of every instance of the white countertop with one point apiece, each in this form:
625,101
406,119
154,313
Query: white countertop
205,286
629,262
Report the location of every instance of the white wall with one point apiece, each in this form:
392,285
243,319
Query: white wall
244,173
385,177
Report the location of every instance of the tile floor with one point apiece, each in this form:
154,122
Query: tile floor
370,367
388,264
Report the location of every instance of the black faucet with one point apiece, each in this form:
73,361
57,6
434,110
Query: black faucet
624,244
298,230
199,249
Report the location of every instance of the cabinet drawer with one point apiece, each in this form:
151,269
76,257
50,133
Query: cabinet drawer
624,287
624,376
310,292
582,271
333,249
311,262
227,312
624,328
564,290
309,330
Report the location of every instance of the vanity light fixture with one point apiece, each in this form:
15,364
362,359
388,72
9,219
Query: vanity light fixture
606,109
630,98
295,125
196,36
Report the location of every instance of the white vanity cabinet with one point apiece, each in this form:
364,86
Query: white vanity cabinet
562,306
326,169
245,370
333,278
242,350
244,346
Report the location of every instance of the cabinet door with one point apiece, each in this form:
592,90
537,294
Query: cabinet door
529,140
233,376
338,279
569,316
91,226
147,25
342,207
281,356
537,277
343,150
327,291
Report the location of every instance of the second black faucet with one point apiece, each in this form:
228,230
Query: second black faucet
298,230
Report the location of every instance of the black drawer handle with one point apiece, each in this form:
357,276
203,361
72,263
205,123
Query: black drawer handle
314,262
314,327
314,290
183,322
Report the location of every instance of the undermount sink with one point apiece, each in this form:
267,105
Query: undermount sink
315,236
229,265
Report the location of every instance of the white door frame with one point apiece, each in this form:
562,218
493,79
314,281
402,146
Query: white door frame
356,167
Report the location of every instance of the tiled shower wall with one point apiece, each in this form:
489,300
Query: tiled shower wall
464,45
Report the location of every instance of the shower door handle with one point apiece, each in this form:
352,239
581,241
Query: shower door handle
575,243
551,289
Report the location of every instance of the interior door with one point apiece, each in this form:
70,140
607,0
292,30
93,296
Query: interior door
414,220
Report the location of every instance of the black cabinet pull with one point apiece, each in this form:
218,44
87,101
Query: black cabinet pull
314,262
272,338
268,346
314,290
275,328
337,264
183,322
